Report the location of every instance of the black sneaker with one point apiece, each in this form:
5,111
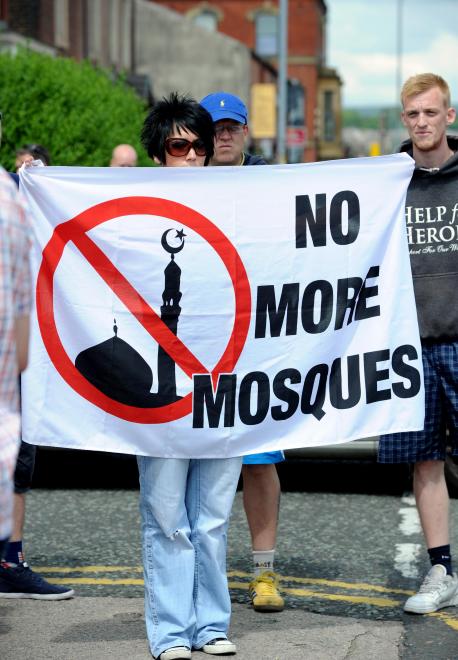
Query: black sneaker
21,582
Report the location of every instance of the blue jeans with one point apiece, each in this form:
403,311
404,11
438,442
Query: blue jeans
185,506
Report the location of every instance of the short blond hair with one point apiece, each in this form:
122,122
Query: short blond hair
423,82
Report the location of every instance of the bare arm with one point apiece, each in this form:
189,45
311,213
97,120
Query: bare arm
21,329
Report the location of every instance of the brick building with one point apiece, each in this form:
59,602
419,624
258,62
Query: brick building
160,44
314,102
156,49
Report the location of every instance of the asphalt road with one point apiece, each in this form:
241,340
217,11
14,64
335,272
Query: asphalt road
345,559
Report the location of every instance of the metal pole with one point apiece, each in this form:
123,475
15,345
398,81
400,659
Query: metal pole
398,49
282,80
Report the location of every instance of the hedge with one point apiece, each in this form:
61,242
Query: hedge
75,110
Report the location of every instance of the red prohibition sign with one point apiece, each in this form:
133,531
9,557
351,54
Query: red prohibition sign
74,230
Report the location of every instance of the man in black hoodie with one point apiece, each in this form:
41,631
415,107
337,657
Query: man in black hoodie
432,229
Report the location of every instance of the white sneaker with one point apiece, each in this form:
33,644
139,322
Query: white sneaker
438,590
219,647
176,653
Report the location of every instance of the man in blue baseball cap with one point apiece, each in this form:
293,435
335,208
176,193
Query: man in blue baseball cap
261,485
230,117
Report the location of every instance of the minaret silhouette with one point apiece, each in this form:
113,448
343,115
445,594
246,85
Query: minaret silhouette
170,311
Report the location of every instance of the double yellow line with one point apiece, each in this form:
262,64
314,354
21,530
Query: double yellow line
317,588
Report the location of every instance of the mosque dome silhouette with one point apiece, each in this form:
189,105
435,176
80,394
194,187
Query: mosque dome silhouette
121,373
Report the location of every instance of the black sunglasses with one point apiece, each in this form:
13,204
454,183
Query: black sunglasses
182,147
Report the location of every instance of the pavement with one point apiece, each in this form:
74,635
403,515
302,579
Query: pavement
112,628
90,540
336,555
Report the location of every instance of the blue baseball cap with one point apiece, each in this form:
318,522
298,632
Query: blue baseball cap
222,105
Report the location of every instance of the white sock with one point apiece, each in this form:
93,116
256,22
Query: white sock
263,560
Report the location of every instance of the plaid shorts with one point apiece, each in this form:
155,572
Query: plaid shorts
440,366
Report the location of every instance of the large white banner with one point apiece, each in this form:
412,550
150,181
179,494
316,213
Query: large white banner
214,312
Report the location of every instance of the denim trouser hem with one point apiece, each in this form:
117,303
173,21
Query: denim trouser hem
208,638
185,506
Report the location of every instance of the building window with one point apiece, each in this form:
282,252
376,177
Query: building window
61,24
266,25
329,132
125,34
114,31
206,19
3,12
94,29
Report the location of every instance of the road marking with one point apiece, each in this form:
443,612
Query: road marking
445,617
361,586
410,523
138,582
450,620
406,557
89,569
407,553
310,593
304,593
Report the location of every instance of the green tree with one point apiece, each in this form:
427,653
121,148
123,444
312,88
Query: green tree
75,110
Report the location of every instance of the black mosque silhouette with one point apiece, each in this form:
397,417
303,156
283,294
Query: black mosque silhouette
119,371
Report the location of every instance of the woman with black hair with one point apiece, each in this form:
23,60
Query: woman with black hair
185,503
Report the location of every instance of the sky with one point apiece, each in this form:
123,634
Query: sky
362,44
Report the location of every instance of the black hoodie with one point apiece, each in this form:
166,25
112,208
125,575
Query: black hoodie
432,231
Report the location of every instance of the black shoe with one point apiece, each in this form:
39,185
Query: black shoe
21,582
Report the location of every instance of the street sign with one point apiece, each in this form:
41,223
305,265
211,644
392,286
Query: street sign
296,136
263,119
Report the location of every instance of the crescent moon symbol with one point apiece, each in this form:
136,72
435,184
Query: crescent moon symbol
170,248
